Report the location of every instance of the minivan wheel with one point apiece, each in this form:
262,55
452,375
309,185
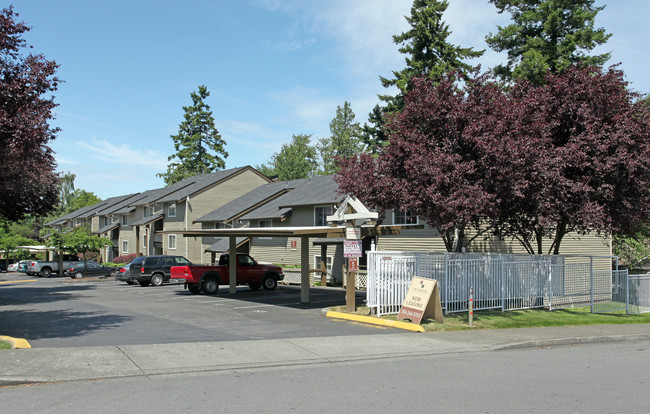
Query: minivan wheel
157,280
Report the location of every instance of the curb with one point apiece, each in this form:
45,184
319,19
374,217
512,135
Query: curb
375,321
16,343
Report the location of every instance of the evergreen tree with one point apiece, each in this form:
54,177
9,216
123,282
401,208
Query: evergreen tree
344,142
547,35
427,50
373,133
198,144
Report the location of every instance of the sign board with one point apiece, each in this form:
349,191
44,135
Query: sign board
352,234
422,301
352,248
294,244
353,264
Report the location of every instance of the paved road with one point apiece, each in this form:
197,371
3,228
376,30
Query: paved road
594,378
61,312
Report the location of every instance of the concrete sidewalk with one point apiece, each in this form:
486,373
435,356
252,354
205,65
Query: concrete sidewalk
23,366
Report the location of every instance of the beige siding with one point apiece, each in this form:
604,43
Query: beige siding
428,240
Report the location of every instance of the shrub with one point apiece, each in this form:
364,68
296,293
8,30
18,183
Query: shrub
127,258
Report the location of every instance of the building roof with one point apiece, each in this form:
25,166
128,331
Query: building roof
248,201
202,182
108,228
309,191
148,219
223,244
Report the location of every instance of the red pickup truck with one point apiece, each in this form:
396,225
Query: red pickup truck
208,278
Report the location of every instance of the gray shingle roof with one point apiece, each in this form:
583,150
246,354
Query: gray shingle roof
199,183
247,201
309,191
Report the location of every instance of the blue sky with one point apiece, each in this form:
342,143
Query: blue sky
274,68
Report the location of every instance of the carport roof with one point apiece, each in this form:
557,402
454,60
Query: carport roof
314,231
148,220
107,228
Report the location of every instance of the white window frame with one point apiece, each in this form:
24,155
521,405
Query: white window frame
406,214
328,263
324,223
171,210
125,246
267,223
171,242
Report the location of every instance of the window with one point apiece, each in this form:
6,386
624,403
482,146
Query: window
144,242
404,217
125,220
107,221
171,241
320,216
219,225
265,223
171,210
147,211
125,246
328,263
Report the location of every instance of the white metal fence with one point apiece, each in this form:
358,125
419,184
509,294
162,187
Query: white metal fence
500,281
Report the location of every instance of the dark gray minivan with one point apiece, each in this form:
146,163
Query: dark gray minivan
156,270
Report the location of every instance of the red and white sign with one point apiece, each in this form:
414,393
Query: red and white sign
352,248
294,244
353,264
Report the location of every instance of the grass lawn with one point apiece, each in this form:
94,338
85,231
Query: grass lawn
529,318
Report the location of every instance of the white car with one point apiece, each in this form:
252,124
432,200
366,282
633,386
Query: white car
13,267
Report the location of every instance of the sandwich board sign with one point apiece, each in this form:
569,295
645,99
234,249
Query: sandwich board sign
422,301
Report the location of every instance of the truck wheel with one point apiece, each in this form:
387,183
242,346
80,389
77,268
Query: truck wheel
254,285
46,272
157,279
144,283
269,282
78,275
210,286
194,289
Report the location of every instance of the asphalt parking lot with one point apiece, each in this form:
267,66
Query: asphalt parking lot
61,312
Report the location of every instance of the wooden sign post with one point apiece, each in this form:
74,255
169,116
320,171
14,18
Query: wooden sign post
422,301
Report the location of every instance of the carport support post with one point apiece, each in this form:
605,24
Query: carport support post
323,265
304,269
232,276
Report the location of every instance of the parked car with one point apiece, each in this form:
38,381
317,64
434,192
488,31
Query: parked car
122,274
13,267
22,266
133,270
89,268
156,270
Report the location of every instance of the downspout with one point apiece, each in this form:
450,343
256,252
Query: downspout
187,217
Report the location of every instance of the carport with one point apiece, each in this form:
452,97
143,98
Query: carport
305,234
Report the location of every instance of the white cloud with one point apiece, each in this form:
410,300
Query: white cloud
123,154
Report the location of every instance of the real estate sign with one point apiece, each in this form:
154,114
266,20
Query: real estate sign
422,301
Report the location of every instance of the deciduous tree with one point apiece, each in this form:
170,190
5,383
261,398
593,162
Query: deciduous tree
28,183
199,146
574,156
296,160
432,165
